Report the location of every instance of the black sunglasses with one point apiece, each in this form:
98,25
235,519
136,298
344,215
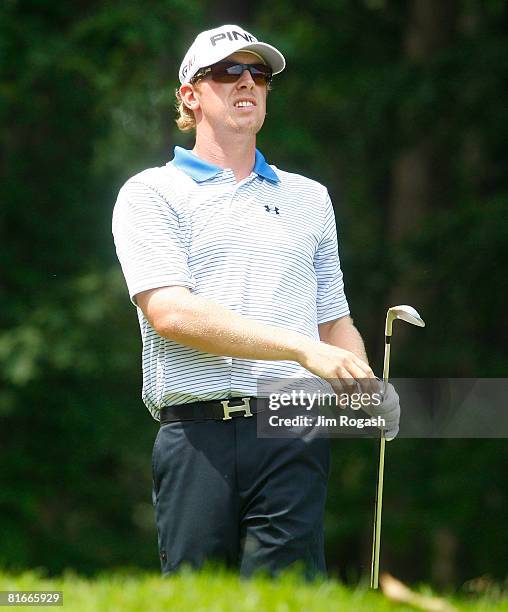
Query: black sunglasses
229,72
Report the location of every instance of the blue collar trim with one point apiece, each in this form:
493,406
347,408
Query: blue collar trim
200,170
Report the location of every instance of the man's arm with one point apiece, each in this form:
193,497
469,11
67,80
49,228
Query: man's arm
189,319
342,332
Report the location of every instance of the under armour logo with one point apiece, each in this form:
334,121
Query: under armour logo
274,209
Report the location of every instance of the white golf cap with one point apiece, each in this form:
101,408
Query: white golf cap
214,45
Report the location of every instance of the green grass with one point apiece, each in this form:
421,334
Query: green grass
213,592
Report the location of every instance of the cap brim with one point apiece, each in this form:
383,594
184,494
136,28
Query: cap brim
272,56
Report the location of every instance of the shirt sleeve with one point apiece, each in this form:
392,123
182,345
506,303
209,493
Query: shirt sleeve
149,240
331,299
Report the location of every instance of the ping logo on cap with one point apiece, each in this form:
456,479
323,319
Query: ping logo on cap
233,35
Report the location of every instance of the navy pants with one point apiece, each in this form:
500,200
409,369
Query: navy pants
221,494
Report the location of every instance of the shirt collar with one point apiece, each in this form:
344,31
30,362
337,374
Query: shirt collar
201,170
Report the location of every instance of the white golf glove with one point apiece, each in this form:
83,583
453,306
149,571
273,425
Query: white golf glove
389,410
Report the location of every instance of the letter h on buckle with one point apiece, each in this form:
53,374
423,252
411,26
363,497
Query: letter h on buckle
245,407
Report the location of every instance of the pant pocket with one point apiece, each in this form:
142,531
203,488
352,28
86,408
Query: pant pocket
155,478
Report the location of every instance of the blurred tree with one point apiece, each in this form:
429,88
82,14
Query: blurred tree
229,11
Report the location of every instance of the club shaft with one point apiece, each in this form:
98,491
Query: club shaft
376,544
386,362
376,537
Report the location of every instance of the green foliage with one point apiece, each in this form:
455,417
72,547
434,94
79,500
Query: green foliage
218,591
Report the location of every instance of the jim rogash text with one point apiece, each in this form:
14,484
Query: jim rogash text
322,421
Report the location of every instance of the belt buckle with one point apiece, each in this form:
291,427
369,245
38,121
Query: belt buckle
245,407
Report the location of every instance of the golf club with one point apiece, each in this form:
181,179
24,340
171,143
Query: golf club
410,315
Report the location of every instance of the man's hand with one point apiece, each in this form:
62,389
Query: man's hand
389,410
341,368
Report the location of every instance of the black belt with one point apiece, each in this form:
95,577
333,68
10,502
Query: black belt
218,410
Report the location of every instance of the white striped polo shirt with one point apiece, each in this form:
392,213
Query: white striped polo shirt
264,247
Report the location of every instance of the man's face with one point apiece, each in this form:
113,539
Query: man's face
217,104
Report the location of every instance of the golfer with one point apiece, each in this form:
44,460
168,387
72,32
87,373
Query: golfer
233,267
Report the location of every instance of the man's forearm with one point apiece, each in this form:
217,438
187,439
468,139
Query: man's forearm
343,333
195,321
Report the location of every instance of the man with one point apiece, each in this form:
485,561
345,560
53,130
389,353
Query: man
234,268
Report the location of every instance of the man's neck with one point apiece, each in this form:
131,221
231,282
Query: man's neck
237,152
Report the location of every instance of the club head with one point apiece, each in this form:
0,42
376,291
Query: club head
404,312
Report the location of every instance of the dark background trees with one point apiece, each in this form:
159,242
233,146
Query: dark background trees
400,109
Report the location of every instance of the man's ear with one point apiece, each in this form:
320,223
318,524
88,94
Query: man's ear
189,96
